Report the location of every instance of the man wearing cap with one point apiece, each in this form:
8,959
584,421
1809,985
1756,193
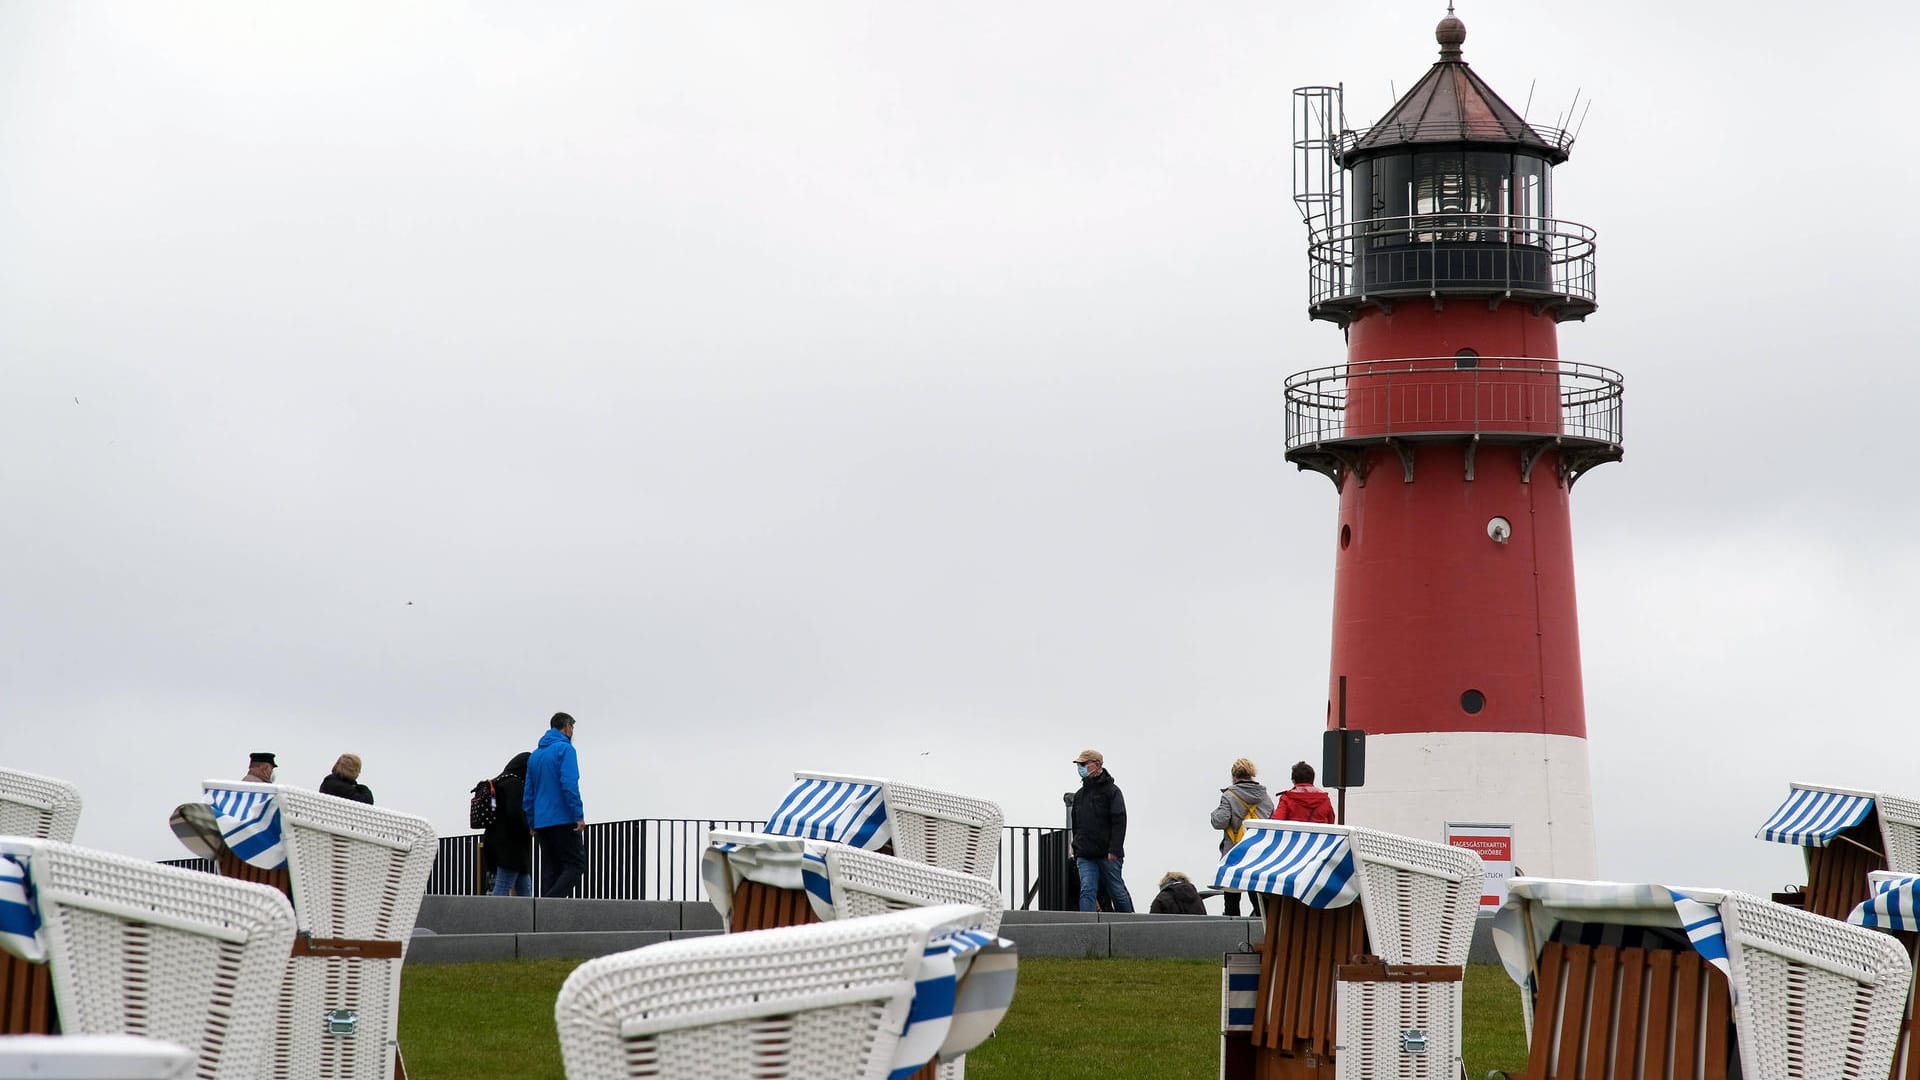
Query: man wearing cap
260,768
1099,834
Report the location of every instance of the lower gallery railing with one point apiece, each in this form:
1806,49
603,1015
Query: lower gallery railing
659,859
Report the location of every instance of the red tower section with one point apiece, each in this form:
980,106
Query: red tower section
1454,433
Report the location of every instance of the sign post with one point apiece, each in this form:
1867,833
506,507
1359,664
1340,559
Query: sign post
1343,755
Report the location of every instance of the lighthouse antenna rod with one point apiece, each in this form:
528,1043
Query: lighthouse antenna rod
1528,107
1581,126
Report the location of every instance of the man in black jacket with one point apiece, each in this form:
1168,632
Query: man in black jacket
1099,834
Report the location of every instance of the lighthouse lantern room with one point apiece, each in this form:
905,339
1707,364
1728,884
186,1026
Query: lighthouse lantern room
1453,434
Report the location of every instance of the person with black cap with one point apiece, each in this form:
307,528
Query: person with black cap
260,766
1099,834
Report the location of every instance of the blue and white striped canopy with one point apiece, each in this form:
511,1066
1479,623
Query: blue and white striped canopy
1547,902
962,992
19,917
250,824
1894,904
843,809
245,820
1811,816
1310,864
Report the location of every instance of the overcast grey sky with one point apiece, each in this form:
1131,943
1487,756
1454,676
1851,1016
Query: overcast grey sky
893,390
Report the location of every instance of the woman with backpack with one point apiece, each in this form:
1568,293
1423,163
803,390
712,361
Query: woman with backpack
1246,797
509,842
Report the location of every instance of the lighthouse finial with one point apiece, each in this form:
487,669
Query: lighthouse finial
1451,34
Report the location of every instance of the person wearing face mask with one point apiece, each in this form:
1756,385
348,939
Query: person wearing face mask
260,767
1099,834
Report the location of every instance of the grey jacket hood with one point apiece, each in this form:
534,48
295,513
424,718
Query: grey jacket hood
1246,791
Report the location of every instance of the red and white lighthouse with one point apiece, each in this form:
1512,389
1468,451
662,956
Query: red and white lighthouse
1453,434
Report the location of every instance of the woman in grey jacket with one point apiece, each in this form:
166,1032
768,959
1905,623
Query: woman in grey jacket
1246,797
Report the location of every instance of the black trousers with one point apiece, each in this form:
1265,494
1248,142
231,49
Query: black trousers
1230,904
563,858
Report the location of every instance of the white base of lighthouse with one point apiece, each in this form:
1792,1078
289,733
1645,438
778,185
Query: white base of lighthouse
1540,784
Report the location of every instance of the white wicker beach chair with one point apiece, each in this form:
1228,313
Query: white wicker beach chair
171,954
1806,996
1812,996
357,875
1421,898
864,883
824,1000
39,807
940,828
1847,834
91,1057
1417,902
1894,909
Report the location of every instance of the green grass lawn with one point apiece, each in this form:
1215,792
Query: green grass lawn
1071,1019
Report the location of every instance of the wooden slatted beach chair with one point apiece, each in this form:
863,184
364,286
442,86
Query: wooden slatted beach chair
1847,834
356,875
1894,909
1339,896
805,881
1639,981
39,808
139,948
1676,1007
827,1000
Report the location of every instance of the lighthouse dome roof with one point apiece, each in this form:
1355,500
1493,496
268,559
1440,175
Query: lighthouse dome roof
1452,104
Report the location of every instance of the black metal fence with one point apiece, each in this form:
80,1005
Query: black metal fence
659,859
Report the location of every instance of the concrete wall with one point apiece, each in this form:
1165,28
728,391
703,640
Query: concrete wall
467,929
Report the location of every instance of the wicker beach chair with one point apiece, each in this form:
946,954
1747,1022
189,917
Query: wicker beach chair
1848,834
1366,939
938,828
944,829
1632,981
73,1057
1894,908
760,882
828,1000
862,883
356,874
38,807
139,948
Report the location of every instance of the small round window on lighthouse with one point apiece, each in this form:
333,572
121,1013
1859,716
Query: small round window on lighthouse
1346,536
1466,358
1472,701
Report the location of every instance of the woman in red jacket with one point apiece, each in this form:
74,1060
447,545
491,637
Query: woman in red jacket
1303,801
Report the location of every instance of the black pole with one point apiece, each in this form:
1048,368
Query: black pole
1341,817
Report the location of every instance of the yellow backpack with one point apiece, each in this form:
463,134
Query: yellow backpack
1239,828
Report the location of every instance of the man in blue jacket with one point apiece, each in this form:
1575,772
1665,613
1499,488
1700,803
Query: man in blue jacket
551,800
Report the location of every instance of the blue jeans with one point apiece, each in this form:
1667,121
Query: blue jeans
1096,873
512,882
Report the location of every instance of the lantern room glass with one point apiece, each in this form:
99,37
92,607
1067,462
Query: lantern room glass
1451,195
